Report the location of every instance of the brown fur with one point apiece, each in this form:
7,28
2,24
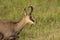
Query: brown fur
11,29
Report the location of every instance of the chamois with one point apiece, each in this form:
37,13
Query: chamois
9,30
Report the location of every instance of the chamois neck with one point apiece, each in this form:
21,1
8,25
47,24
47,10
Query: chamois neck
20,25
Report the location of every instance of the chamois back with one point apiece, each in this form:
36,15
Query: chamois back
10,29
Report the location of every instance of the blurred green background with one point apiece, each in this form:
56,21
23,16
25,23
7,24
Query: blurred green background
46,13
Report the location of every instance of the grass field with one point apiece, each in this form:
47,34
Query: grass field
46,13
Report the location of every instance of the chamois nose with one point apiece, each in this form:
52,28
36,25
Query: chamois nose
34,22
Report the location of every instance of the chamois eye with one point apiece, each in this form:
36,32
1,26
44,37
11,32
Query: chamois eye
31,18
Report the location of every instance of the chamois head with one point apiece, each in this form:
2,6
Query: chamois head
28,16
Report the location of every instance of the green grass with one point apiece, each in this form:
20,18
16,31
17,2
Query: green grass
46,13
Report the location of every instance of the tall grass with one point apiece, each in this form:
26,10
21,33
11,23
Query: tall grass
46,13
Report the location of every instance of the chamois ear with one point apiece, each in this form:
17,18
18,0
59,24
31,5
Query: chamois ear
31,8
25,12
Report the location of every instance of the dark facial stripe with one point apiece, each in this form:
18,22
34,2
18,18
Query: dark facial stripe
31,19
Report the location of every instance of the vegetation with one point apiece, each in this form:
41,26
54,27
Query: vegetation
46,13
